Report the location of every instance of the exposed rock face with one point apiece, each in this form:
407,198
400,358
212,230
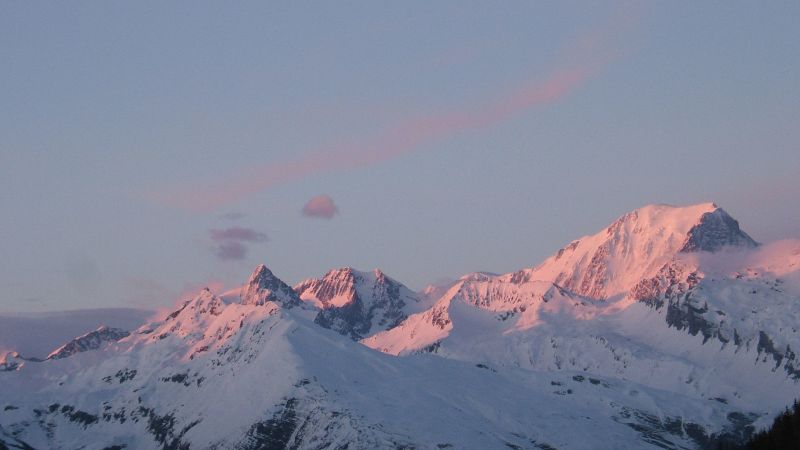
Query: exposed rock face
264,286
357,304
89,341
11,361
673,281
716,230
680,289
675,286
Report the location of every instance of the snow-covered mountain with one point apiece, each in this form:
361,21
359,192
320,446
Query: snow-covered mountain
89,341
677,298
358,304
636,245
671,328
37,334
216,375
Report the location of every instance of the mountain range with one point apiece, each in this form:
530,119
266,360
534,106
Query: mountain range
671,328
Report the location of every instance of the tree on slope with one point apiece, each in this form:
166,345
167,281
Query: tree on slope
784,433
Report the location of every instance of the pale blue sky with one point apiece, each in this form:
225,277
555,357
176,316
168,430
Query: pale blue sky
105,106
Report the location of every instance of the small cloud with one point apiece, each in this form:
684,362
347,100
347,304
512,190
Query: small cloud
230,242
237,234
231,250
233,216
321,207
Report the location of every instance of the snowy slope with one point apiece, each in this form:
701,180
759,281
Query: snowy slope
212,375
644,300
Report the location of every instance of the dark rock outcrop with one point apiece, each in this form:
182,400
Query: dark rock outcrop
263,286
355,303
716,230
89,341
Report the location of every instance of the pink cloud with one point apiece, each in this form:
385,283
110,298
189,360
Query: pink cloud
581,60
321,206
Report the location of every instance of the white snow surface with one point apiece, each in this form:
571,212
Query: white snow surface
208,378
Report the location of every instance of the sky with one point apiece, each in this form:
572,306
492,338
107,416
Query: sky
149,148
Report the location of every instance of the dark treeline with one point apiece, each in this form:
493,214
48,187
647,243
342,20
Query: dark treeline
783,434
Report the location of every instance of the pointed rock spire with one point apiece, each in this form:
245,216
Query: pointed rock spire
264,286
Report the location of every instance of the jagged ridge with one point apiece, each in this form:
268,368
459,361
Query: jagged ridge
89,341
358,304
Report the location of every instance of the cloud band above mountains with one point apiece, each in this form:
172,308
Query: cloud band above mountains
581,59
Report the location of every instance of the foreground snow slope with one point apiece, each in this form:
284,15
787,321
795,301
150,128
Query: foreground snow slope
213,375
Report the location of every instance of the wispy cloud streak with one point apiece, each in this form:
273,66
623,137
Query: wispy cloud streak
581,60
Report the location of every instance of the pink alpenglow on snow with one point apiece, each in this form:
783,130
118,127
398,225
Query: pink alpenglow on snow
230,242
321,207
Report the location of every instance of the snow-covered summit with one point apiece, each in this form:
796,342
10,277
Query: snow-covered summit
603,267
357,303
636,245
662,286
335,289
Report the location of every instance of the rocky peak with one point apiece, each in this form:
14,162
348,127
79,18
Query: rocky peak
263,286
356,303
636,246
715,230
11,361
335,289
261,276
380,277
89,341
204,302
